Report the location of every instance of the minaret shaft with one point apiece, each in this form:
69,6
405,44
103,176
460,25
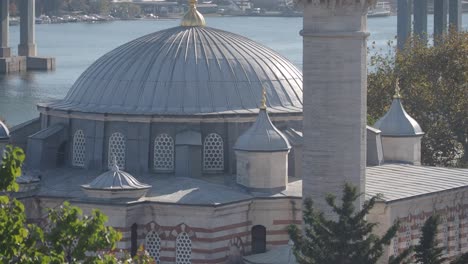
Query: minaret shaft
335,87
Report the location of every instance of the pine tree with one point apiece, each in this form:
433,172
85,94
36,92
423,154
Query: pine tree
427,251
346,240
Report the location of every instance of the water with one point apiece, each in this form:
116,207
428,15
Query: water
76,46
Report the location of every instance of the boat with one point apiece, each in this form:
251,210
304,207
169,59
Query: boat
381,9
43,19
14,21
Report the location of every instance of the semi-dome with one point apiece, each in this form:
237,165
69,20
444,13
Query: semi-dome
186,71
396,122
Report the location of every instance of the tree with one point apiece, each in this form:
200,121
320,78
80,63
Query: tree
71,238
99,6
428,251
434,82
73,234
19,242
346,240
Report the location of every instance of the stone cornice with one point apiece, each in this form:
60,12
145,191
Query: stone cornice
333,5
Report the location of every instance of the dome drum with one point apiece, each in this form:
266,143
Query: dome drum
142,153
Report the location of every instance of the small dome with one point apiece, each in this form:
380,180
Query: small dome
116,184
397,123
262,136
4,132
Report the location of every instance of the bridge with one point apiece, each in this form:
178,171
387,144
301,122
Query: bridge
446,12
27,58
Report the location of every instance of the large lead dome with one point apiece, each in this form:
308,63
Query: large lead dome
186,71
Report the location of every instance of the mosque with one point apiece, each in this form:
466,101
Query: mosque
191,140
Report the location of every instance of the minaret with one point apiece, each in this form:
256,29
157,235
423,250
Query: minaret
335,87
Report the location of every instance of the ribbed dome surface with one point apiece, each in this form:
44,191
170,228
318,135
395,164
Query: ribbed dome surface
4,132
186,70
262,136
115,179
397,123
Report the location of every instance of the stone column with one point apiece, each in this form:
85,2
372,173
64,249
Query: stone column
5,51
420,18
440,17
335,92
27,46
403,23
455,14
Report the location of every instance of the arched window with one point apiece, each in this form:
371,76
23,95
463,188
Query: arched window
213,153
258,239
163,153
153,245
183,249
116,150
79,149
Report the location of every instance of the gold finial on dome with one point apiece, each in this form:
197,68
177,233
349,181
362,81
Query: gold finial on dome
397,90
264,99
193,18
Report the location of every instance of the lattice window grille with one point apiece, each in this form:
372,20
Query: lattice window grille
79,149
163,153
408,236
183,249
396,246
213,153
153,245
116,150
457,233
445,234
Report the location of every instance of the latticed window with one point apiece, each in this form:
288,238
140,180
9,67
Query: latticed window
213,153
164,153
457,233
396,246
183,249
408,236
153,245
79,149
116,150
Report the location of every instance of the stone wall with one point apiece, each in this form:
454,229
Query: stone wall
218,234
451,206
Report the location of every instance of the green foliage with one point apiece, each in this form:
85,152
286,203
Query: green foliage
126,10
434,85
346,240
19,242
10,168
427,251
73,234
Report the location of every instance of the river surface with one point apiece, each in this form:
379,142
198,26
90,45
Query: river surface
75,46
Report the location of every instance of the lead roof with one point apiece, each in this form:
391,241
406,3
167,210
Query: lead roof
186,71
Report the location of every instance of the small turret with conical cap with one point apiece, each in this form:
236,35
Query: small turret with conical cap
401,134
262,155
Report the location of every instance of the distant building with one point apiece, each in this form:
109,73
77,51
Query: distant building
155,7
